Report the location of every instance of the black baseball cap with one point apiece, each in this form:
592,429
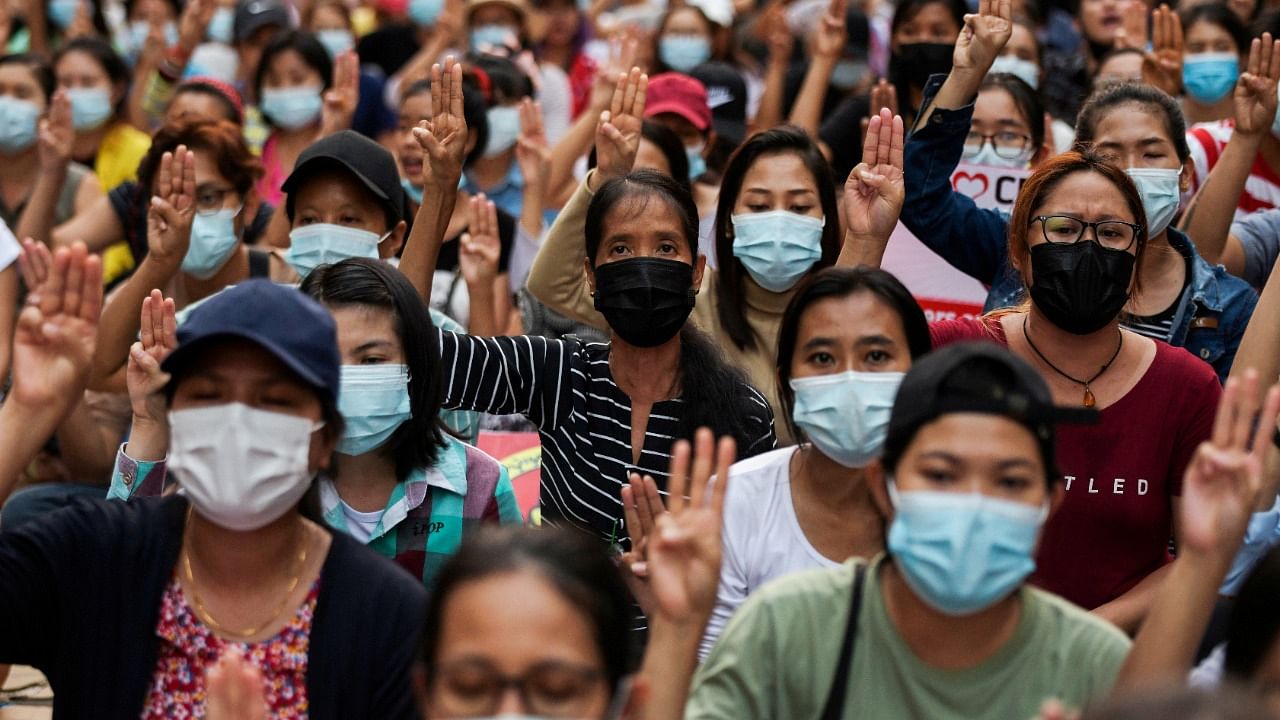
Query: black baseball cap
727,97
371,164
282,319
254,14
978,377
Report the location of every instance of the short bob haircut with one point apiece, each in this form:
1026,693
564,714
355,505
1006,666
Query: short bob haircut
307,47
731,287
1047,176
839,283
361,282
577,566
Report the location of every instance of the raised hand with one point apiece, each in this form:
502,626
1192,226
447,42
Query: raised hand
532,150
158,338
828,39
1221,484
618,131
194,23
622,57
342,97
684,550
173,207
81,23
883,95
450,22
1255,93
234,689
1133,28
480,248
56,134
874,191
983,37
57,331
776,33
641,506
444,138
35,262
1162,65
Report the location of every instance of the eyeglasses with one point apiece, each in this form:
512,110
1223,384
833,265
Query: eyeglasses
1065,230
1008,145
209,200
553,689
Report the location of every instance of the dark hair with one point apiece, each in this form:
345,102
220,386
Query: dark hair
1219,14
474,107
1047,176
105,56
666,141
1026,100
39,69
577,566
731,287
200,87
1097,83
908,9
507,82
1268,22
1228,702
1254,624
713,393
1116,96
836,283
374,283
222,139
307,47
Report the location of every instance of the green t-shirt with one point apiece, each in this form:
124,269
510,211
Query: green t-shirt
777,656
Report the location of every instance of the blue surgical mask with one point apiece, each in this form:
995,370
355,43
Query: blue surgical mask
140,29
221,25
311,246
413,191
1025,70
962,553
336,42
986,155
63,12
425,12
1160,193
90,108
495,35
848,73
374,402
683,53
1209,77
213,239
697,164
777,248
292,107
504,129
846,415
18,121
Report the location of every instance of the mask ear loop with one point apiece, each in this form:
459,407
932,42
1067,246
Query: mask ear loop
621,696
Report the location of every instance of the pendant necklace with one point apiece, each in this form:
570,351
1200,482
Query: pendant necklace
1089,400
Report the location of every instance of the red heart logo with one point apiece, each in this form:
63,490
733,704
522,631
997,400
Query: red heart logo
972,185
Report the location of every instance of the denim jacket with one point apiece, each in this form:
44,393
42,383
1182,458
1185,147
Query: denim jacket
1214,308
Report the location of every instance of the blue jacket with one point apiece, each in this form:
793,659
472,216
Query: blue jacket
1214,308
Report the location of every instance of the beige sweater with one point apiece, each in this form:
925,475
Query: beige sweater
557,280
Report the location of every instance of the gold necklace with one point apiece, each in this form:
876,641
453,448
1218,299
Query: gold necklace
204,613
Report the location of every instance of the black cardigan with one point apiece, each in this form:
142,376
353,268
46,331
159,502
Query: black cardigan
80,594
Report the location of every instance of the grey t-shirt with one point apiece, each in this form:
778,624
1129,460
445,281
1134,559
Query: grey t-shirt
1259,235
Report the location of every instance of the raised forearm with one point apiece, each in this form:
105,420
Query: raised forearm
1260,347
806,113
957,91
861,250
36,221
418,262
1208,218
770,111
120,321
148,440
670,660
23,431
574,144
1128,611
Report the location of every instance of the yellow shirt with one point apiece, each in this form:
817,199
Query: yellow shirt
122,148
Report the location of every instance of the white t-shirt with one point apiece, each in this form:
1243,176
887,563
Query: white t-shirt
762,538
360,525
9,247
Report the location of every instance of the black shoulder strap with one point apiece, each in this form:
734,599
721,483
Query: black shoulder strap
840,684
259,263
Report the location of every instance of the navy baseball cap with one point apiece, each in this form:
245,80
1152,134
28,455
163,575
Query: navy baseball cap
727,98
372,164
283,320
251,15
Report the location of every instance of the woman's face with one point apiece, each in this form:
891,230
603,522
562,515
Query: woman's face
158,11
547,650
1134,136
562,21
651,157
80,71
214,191
18,82
287,69
974,453
779,181
998,123
413,109
240,371
190,106
1122,67
1100,19
328,17
643,225
1206,37
687,21
337,198
1085,196
1022,44
367,335
933,23
858,332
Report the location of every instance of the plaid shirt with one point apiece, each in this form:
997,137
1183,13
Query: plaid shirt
425,519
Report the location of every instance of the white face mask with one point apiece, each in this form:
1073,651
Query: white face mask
241,467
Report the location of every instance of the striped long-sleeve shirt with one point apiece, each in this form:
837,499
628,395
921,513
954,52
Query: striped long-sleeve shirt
584,419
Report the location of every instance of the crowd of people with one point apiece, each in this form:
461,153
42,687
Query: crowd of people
272,270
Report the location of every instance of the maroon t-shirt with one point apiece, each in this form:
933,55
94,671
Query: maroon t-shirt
1120,475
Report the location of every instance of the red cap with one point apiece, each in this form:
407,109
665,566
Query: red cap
680,94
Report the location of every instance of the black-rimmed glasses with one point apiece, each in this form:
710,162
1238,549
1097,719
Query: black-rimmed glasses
1066,230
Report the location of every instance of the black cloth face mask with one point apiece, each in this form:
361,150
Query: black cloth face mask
1082,286
645,300
915,62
